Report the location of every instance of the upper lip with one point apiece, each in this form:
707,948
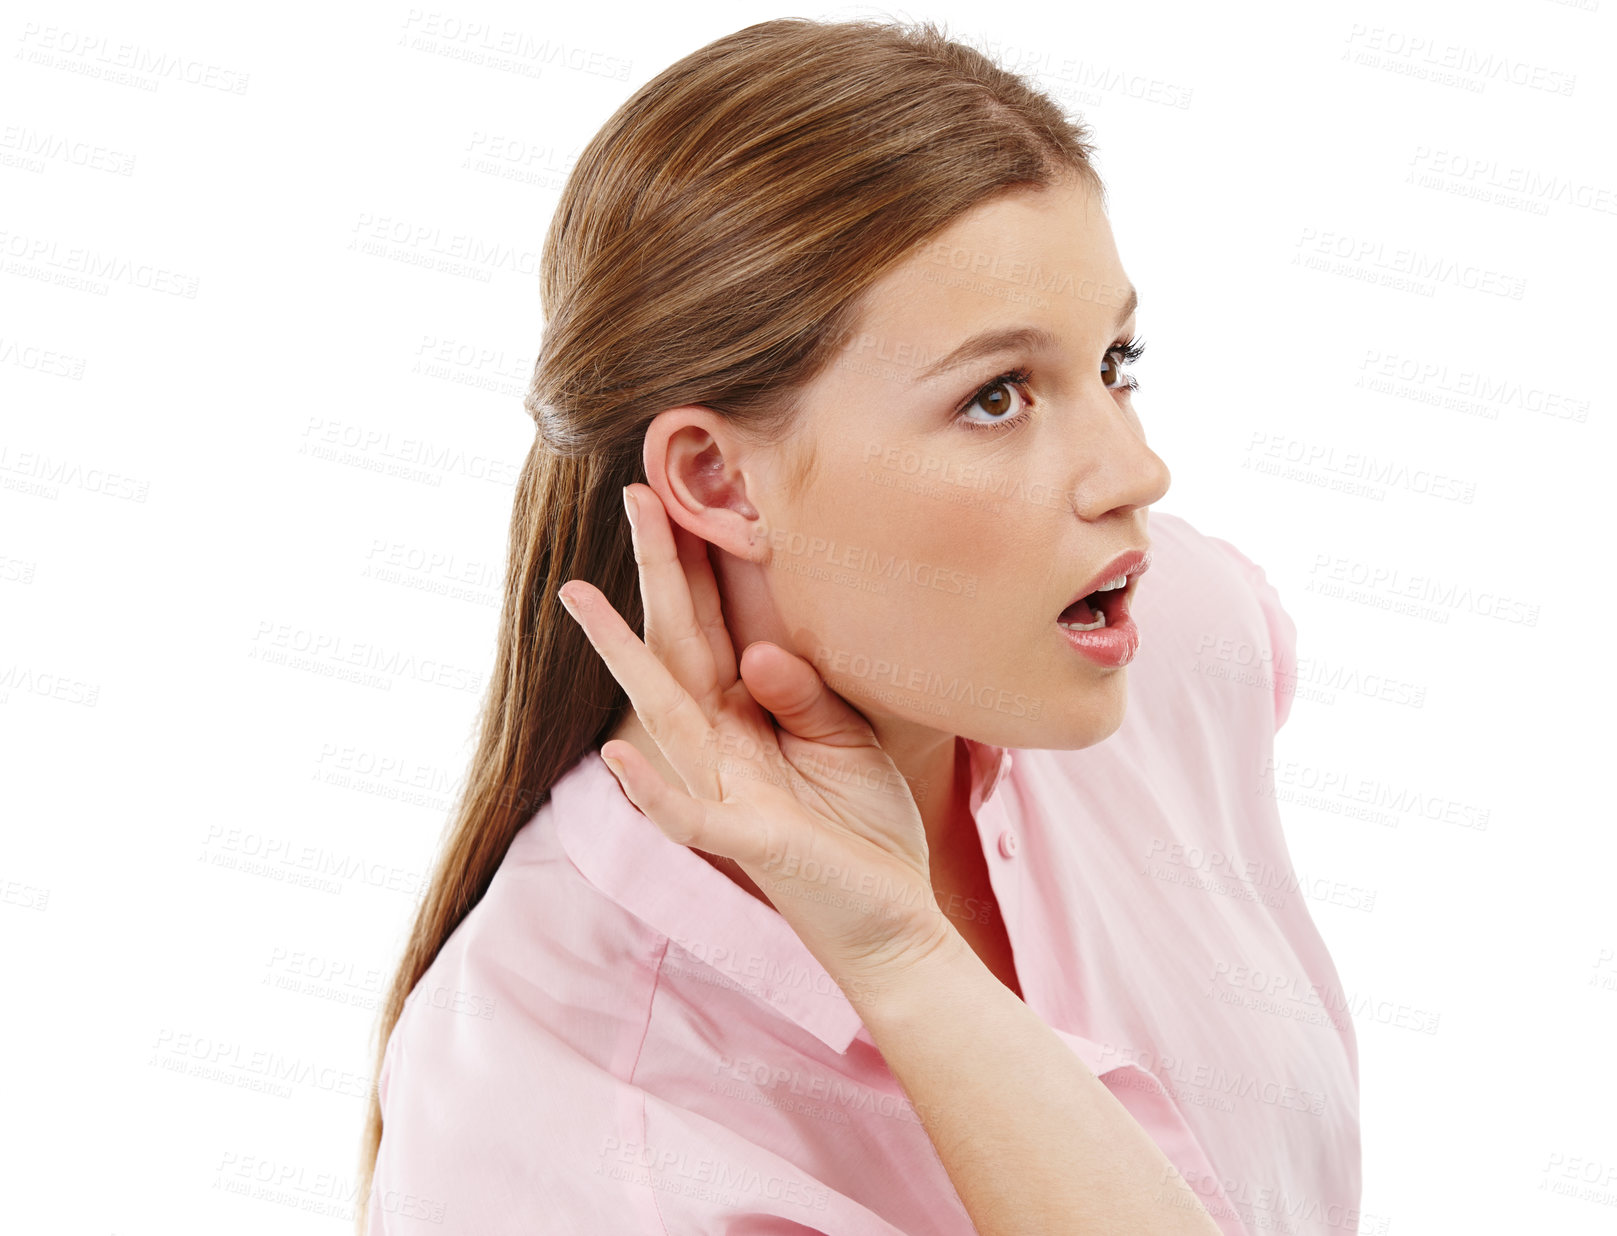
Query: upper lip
1131,562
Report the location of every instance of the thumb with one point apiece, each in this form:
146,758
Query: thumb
799,699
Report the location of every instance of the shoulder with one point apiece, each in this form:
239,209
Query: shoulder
1206,598
500,1083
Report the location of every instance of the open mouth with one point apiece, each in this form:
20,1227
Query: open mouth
1107,603
1103,607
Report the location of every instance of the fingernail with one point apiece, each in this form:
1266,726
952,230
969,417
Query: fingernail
617,771
566,604
629,506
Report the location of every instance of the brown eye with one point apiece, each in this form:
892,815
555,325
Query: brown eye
996,399
1112,367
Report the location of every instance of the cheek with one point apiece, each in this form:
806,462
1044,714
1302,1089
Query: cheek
908,590
908,553
925,597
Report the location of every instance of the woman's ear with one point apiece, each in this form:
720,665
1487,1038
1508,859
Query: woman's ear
695,460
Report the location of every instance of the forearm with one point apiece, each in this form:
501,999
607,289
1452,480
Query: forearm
1031,1139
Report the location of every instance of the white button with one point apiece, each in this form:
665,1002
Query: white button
1007,843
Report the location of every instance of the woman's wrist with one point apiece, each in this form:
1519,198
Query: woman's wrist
932,971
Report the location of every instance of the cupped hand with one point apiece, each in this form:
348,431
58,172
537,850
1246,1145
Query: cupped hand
781,774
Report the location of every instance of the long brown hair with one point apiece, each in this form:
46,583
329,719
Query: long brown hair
711,247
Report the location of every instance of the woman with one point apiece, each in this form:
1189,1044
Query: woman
835,404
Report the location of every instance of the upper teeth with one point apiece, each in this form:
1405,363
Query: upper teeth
1119,582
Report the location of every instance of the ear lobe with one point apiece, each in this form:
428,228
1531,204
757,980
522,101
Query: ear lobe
695,462
729,526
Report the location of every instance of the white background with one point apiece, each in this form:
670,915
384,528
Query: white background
205,471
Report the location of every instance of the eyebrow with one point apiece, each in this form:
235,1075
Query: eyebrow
993,342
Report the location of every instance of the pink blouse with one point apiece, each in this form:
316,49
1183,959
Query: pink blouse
619,1041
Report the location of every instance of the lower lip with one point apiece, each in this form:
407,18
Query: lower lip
1112,645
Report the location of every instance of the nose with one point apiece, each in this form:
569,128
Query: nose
1121,473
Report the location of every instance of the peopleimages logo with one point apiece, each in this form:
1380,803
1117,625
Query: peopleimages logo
120,62
89,270
1331,571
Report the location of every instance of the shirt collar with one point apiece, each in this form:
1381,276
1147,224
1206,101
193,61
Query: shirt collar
989,765
718,924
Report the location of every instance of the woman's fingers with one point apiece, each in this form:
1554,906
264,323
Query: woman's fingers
676,723
718,828
678,815
674,632
693,552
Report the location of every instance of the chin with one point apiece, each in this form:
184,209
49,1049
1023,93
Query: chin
1094,718
1084,718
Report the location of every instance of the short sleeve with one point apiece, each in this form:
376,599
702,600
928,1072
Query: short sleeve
1280,629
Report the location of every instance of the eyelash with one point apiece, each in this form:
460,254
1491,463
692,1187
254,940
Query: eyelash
1129,351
